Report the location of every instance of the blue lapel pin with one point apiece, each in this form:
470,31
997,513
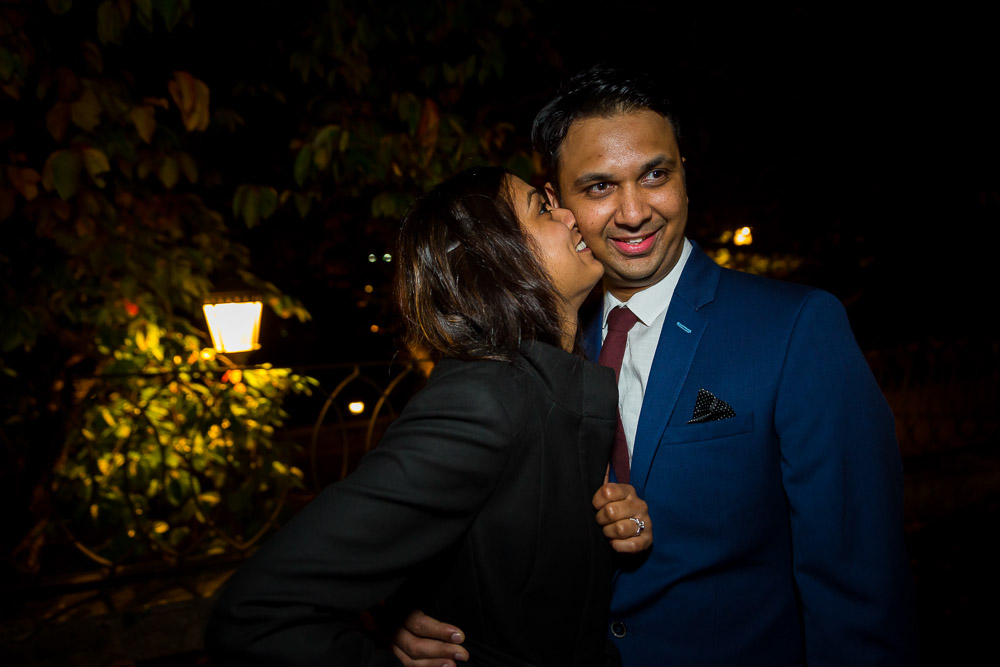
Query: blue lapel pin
683,328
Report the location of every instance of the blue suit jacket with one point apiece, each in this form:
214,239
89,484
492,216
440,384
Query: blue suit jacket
779,532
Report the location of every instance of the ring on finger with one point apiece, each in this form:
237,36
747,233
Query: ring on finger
640,525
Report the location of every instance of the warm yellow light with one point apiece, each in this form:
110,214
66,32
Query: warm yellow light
234,326
369,289
356,407
373,328
743,236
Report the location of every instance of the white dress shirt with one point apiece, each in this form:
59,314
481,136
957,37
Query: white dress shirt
650,306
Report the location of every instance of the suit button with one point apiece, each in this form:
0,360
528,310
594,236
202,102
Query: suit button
618,629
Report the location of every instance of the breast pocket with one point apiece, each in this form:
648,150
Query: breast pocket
723,428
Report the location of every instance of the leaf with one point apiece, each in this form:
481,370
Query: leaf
303,202
239,198
6,64
13,89
210,498
144,119
344,139
86,111
92,55
62,173
191,96
170,12
268,202
57,120
125,9
96,163
153,341
59,6
24,180
321,156
302,163
188,167
169,173
251,207
144,13
109,23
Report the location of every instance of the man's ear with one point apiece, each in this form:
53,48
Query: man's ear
550,192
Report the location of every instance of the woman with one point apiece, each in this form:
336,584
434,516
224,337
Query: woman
477,503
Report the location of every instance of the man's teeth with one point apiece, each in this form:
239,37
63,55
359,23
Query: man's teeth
580,246
634,241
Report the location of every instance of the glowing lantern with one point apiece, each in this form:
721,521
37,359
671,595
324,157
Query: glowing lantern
234,321
356,407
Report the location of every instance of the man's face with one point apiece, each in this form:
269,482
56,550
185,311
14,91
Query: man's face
622,178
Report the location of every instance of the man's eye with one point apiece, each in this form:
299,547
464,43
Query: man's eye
656,175
599,188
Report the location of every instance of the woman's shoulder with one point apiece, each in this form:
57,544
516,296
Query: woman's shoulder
484,386
540,374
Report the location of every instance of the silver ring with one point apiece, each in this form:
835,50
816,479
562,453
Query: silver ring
640,526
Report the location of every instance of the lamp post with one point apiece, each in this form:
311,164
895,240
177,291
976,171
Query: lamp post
233,321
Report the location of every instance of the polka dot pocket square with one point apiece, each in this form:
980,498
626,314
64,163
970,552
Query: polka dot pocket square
709,408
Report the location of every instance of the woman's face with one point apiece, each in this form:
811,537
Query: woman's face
559,246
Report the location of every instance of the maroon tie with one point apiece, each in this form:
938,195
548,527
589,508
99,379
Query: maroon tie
620,322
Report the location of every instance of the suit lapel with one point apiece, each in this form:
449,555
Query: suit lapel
592,316
683,327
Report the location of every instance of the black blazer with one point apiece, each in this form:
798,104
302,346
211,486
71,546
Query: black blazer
478,500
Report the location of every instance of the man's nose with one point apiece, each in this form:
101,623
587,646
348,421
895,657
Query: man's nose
633,209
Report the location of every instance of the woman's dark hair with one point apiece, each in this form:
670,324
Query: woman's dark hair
600,91
467,282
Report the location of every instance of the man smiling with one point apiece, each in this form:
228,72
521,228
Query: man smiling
753,427
623,174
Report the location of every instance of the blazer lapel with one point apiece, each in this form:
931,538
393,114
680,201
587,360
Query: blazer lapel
592,317
682,330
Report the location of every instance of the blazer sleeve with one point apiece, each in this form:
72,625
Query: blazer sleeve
844,483
296,602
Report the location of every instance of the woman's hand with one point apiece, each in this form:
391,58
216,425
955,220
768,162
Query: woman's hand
624,518
423,641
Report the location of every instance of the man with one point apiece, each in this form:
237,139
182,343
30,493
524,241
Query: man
755,430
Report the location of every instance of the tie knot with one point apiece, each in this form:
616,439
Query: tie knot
621,319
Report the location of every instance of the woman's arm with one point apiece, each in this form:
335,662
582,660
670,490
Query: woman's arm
423,641
295,601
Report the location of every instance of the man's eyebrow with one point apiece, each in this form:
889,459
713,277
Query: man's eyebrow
662,160
591,177
659,161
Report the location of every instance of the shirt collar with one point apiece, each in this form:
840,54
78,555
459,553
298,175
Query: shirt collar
649,304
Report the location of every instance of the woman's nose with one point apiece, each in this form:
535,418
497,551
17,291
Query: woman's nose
565,216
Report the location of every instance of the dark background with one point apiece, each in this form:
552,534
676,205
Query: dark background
860,139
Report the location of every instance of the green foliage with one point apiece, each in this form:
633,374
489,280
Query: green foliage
174,453
387,122
111,243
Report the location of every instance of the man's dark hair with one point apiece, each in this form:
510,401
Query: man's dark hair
468,283
600,91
